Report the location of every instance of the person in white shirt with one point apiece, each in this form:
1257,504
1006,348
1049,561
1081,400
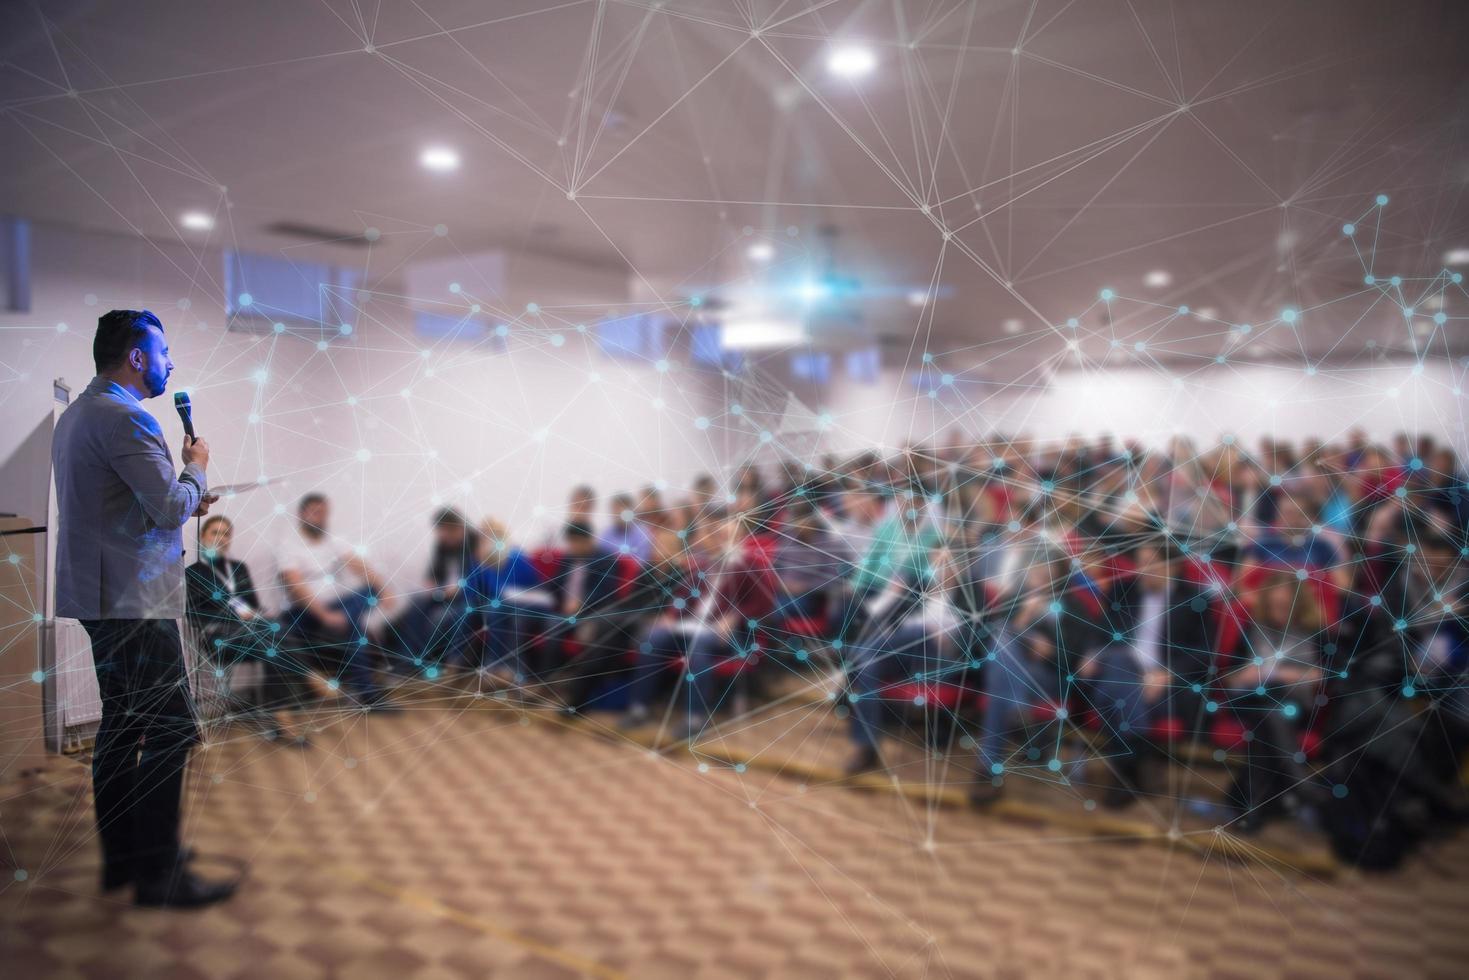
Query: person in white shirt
330,592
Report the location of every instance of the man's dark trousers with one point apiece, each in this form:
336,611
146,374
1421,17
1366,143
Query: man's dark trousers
142,745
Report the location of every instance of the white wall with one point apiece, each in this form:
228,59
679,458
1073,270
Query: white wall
492,432
1249,401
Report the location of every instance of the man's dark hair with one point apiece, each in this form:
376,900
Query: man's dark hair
309,499
118,332
575,530
449,517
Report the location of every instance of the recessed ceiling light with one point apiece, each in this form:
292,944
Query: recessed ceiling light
760,252
1457,256
440,159
918,298
851,61
1157,279
196,221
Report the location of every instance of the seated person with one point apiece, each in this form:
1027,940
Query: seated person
920,635
1268,687
898,553
1176,633
1066,633
737,590
225,613
587,628
507,593
436,625
626,535
810,563
330,591
669,588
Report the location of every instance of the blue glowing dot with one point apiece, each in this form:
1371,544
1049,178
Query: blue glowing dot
1349,229
1288,710
1055,606
21,874
532,307
333,683
1072,323
278,327
1415,463
1396,280
1054,765
1409,690
1211,706
701,422
453,287
1381,200
246,299
696,301
1376,600
1061,714
1288,315
736,409
1183,311
1456,277
39,676
927,358
1369,279
1107,295
431,673
345,329
1440,318
997,768
1339,791
1407,311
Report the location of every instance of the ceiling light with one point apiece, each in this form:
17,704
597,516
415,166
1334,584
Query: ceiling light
196,221
760,252
851,61
440,159
1458,256
813,291
1157,279
1013,326
918,298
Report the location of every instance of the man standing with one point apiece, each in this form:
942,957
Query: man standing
120,571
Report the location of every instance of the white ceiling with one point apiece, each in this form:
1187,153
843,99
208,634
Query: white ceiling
1020,155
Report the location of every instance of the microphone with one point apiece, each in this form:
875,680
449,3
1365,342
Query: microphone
186,412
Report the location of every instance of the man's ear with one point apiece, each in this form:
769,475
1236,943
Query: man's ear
136,359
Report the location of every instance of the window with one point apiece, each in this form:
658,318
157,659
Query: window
15,265
705,348
864,365
814,366
627,337
268,287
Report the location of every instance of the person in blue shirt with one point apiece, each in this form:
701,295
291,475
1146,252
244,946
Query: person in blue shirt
626,535
505,590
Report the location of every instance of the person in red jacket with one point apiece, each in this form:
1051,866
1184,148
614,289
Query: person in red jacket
737,591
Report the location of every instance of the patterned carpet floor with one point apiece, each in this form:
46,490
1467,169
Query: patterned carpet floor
469,837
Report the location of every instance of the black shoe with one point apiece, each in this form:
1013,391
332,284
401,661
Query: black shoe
863,760
1125,788
182,890
117,877
983,794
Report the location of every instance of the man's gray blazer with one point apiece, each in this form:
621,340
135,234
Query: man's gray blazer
119,546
